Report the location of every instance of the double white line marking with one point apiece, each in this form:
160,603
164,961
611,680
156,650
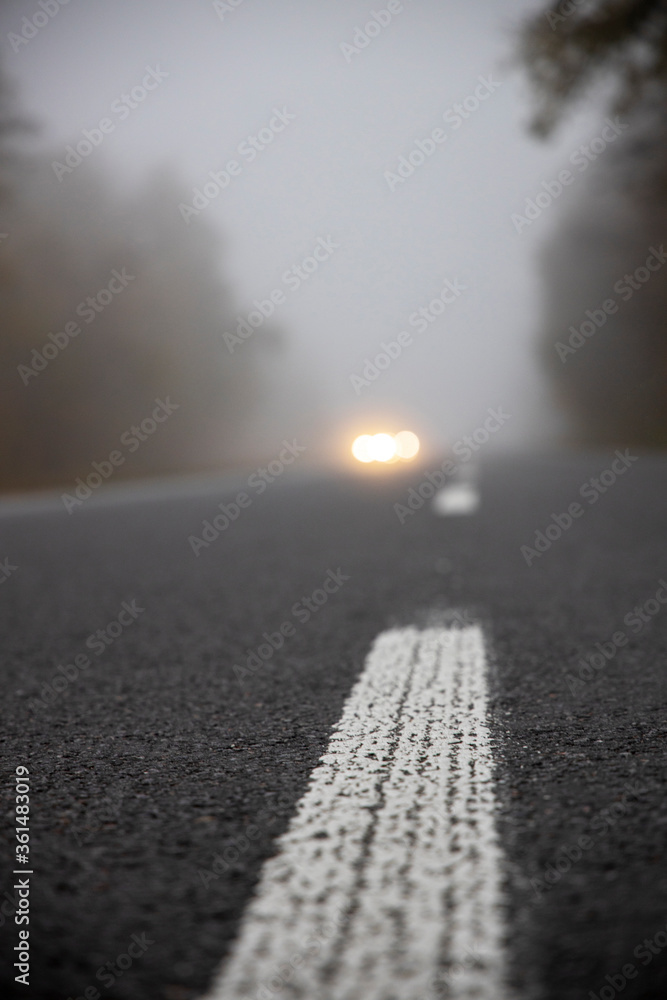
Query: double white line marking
387,884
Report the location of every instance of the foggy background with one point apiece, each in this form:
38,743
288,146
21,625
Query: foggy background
226,70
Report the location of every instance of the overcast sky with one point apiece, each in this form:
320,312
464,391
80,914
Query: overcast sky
355,113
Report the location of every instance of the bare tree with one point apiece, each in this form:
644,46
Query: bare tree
81,365
612,384
572,44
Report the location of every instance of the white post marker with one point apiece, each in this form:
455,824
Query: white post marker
457,499
460,497
387,884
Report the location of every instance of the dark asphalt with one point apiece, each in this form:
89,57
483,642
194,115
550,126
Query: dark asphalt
156,757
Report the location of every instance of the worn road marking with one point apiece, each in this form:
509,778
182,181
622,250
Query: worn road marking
387,884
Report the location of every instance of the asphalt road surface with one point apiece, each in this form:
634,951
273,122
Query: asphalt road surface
188,723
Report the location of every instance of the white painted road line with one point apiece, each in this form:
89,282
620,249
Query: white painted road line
457,499
387,884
